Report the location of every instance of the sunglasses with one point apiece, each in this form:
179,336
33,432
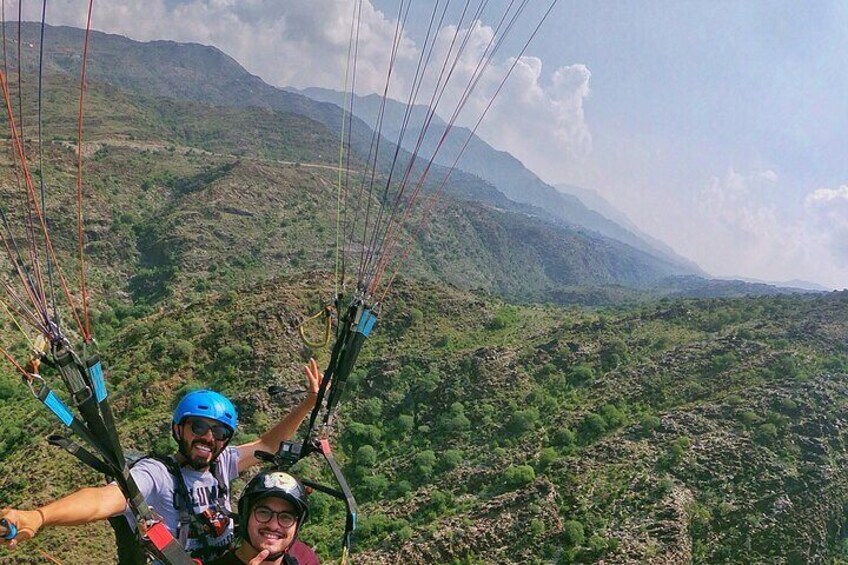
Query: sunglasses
263,515
219,431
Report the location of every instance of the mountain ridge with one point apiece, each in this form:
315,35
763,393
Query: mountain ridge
497,167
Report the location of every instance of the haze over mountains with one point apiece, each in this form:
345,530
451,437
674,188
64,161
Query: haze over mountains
204,74
499,168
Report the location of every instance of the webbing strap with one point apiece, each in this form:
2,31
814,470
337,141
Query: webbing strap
82,454
61,411
362,325
94,370
183,499
78,379
169,549
350,502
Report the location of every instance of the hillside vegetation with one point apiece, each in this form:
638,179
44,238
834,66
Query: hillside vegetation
490,418
474,430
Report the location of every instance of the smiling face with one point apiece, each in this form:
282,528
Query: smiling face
273,535
199,449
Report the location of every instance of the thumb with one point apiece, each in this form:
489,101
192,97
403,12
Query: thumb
260,558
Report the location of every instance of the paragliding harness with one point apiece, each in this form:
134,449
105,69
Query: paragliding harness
353,327
203,526
87,388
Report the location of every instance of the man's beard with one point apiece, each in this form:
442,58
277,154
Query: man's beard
199,462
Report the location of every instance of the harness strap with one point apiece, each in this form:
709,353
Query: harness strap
81,453
185,503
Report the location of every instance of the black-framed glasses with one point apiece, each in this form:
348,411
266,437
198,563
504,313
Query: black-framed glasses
263,515
219,431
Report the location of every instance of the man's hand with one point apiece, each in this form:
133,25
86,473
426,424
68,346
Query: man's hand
313,377
260,558
27,522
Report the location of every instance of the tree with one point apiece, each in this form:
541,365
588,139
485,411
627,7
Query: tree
592,427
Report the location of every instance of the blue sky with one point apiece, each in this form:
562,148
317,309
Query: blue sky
720,127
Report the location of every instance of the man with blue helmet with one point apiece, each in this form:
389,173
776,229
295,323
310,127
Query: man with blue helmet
190,491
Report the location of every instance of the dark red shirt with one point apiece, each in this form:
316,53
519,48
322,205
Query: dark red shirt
299,550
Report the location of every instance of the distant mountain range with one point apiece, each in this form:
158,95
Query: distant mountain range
500,169
569,244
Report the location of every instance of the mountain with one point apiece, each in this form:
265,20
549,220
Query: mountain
477,427
499,168
204,76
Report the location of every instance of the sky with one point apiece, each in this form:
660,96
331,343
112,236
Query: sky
718,126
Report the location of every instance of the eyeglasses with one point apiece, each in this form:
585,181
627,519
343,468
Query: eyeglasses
263,515
219,431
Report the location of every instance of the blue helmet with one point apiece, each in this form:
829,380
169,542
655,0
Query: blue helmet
207,404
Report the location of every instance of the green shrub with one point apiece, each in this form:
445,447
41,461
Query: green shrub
572,533
366,456
519,475
649,424
451,459
581,374
592,427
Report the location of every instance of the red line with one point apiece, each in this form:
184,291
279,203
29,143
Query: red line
31,191
81,235
13,362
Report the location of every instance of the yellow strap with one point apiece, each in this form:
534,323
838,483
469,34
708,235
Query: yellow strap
17,324
328,327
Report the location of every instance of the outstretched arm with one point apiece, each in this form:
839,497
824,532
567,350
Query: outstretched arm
81,507
270,441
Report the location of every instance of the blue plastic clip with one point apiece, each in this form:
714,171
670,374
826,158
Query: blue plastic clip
96,374
58,407
366,323
11,529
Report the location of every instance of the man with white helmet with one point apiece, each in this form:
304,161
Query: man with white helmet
272,510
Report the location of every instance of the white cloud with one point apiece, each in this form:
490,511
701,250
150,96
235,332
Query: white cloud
541,124
738,227
286,43
540,120
826,211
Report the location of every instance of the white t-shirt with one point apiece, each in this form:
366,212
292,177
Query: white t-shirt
156,483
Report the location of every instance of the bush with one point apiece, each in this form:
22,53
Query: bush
504,318
424,463
372,410
358,434
592,427
365,456
519,476
581,374
537,527
455,420
546,458
405,423
451,459
612,354
612,415
374,486
573,534
766,434
649,424
405,533
400,489
523,421
564,437
748,418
